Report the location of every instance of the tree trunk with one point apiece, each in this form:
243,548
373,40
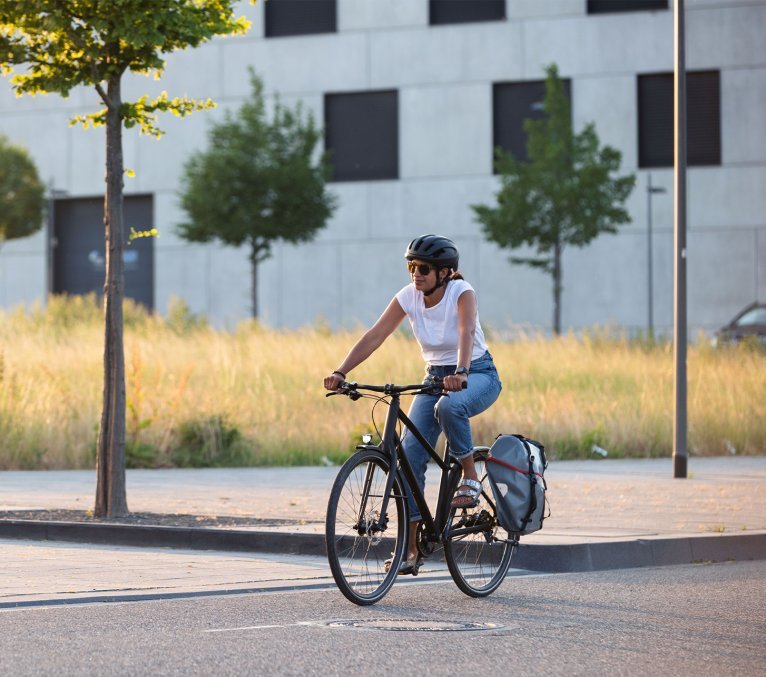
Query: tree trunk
110,454
557,288
254,283
259,251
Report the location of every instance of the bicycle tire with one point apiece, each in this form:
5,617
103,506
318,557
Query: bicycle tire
478,562
357,555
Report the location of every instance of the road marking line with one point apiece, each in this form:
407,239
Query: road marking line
262,627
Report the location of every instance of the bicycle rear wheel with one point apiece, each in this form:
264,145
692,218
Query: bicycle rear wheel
358,541
478,551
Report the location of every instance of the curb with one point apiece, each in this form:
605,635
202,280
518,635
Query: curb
192,538
640,553
543,558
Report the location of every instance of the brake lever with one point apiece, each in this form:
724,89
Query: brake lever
351,393
444,393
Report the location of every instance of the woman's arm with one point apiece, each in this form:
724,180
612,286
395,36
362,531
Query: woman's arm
466,330
371,340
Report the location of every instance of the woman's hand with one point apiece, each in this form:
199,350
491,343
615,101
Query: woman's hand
333,381
454,382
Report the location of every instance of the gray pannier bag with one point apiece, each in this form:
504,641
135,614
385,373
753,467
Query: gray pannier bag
515,467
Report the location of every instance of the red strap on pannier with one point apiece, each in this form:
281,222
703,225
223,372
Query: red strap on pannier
512,467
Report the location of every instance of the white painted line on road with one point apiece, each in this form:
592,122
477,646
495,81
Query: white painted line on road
408,624
248,627
262,627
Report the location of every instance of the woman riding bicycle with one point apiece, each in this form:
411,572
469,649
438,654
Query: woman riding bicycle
443,312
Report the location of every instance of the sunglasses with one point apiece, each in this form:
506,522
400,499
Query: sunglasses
422,268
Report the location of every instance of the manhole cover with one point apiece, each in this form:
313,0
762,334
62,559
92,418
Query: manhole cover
414,625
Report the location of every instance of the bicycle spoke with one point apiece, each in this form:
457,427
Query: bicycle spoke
478,551
359,537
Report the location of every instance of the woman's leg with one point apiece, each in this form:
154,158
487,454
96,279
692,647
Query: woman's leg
454,412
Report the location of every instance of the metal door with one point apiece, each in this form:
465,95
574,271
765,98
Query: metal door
78,252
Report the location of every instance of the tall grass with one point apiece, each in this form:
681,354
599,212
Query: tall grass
259,391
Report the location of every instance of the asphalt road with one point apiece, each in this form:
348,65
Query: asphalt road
682,620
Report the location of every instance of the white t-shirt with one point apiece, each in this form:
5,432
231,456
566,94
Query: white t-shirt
435,328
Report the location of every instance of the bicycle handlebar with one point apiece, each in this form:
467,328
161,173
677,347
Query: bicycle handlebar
351,389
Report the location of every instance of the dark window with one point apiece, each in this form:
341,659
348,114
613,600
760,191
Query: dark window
299,17
608,6
78,255
362,135
703,119
465,11
512,104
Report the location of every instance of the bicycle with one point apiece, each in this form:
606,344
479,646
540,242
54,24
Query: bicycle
367,520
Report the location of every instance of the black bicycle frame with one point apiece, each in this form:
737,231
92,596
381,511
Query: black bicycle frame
390,444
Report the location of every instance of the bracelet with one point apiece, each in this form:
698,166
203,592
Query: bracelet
340,373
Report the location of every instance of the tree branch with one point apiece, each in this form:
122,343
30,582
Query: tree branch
104,97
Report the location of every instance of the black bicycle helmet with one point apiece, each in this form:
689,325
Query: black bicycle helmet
434,249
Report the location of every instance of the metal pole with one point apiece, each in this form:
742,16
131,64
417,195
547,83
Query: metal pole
650,190
649,273
680,454
49,240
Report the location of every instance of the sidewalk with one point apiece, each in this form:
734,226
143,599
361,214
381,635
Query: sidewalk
604,514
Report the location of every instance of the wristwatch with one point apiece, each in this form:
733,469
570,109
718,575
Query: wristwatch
461,370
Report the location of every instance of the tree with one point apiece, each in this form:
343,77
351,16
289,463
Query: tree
257,182
22,194
566,194
94,43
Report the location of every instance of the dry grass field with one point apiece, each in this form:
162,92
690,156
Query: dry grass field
253,396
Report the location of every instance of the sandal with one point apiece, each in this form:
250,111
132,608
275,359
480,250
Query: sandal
406,568
467,489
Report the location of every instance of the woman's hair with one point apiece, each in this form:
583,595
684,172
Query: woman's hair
454,275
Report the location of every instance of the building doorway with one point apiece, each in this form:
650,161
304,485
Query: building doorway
79,253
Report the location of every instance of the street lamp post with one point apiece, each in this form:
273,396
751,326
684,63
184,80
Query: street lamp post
650,190
680,451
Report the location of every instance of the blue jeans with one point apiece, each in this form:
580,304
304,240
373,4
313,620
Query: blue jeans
433,415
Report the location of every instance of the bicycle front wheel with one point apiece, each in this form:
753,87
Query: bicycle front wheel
478,551
365,546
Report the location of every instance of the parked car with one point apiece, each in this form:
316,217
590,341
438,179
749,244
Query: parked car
750,321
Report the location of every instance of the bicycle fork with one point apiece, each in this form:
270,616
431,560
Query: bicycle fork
389,434
366,525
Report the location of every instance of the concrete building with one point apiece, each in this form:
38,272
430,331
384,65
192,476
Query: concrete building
431,87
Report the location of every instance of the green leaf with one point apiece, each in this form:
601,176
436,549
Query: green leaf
63,45
259,180
136,234
566,194
22,194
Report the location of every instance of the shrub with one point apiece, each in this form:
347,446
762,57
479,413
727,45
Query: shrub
181,319
141,455
209,443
